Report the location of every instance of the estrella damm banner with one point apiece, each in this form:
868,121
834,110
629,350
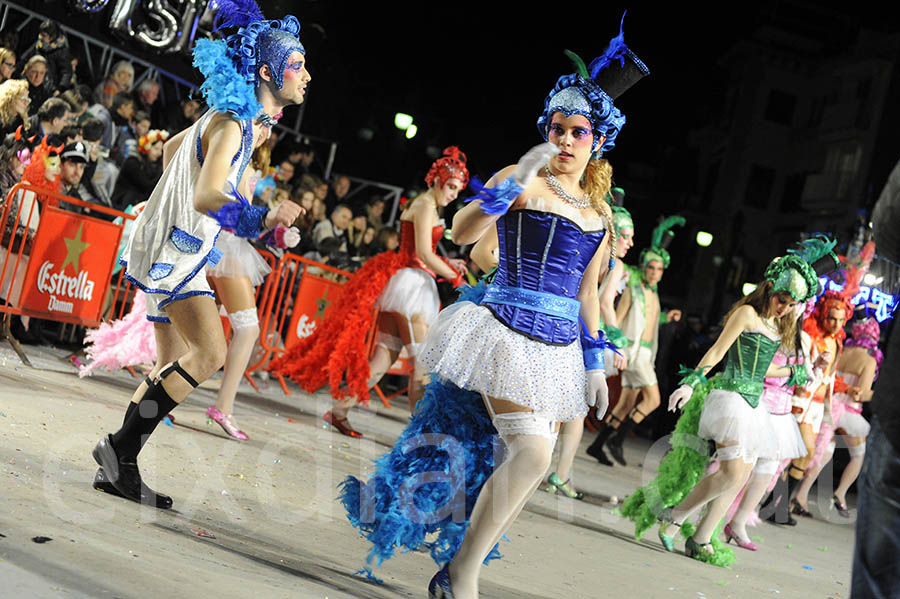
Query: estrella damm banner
70,266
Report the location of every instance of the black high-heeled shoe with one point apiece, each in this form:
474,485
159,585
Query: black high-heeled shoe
440,587
695,550
798,509
840,507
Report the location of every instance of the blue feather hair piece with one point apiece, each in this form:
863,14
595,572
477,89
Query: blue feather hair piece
615,51
224,89
236,13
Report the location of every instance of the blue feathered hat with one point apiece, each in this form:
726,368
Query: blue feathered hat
230,67
590,92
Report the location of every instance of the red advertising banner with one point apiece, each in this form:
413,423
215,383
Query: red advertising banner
314,300
70,266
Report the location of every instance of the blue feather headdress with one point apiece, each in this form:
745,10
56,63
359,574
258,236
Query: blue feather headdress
230,67
590,91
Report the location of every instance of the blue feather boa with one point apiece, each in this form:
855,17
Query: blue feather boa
429,482
224,89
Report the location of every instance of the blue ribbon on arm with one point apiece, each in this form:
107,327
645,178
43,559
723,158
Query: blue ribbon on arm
240,217
593,347
495,200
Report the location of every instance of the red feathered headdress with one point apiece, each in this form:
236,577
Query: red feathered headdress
34,172
452,165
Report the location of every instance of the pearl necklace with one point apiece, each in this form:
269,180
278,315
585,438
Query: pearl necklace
557,188
771,327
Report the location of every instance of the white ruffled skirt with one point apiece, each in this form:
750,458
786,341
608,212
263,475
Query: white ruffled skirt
854,424
729,420
468,346
788,437
239,259
409,292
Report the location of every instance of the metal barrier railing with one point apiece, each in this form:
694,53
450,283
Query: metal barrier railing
18,252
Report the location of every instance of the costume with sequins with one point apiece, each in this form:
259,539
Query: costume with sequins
727,407
517,339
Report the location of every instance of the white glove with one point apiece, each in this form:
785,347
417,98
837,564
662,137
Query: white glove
598,393
679,397
533,160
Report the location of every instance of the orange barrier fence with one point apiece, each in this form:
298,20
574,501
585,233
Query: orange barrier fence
286,316
56,264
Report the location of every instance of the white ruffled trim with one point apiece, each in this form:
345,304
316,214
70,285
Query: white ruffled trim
468,346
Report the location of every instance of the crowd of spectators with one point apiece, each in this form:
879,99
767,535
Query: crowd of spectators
108,136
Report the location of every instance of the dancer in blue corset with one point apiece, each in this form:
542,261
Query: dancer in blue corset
521,358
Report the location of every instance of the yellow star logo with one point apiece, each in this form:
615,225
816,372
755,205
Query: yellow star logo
322,303
74,247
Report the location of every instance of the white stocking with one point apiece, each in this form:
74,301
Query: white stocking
245,332
569,441
759,482
501,499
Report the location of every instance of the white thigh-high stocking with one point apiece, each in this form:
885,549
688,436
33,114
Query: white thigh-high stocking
504,494
245,332
813,470
759,483
851,472
711,488
569,441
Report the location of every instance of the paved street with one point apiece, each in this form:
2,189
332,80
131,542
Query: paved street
258,519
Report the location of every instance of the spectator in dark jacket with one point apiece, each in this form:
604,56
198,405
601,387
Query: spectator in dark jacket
140,172
35,72
53,45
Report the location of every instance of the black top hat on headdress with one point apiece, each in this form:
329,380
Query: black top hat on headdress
591,90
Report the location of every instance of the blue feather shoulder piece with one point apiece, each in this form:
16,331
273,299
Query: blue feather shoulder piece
224,89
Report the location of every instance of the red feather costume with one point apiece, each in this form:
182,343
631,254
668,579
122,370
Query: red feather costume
337,349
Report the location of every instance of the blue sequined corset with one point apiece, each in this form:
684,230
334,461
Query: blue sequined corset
545,253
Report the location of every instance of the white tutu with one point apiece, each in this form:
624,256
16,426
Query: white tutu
728,419
788,437
409,292
468,346
239,259
853,424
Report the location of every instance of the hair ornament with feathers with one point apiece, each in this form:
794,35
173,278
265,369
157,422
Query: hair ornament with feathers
452,165
591,90
798,272
230,67
659,241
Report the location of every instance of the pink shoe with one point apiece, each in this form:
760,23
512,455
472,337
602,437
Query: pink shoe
226,422
730,536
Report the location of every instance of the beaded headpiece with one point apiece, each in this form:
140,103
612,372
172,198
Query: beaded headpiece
231,67
798,272
452,165
591,90
662,237
154,135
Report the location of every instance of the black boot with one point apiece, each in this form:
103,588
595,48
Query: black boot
595,449
124,477
616,441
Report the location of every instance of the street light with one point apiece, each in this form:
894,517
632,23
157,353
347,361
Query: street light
402,121
748,288
704,239
411,131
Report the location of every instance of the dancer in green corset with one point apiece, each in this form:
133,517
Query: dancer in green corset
726,409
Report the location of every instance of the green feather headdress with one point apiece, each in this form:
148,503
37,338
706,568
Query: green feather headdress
662,235
798,272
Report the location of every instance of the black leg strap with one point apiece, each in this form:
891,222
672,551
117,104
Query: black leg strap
176,367
636,411
613,417
148,380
